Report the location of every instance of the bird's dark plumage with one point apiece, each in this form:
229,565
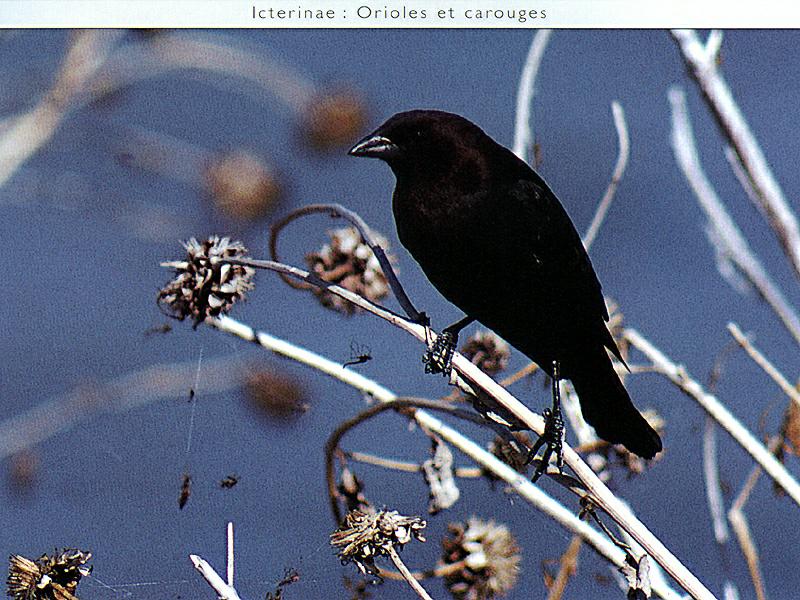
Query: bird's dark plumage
496,242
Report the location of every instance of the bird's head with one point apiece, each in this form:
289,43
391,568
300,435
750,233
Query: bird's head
422,141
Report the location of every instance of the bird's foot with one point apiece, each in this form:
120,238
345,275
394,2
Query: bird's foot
439,357
553,436
552,440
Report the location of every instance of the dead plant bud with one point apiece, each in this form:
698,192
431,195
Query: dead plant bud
352,490
205,285
488,351
367,535
348,262
275,394
334,119
23,471
637,577
242,186
514,457
186,490
790,429
49,577
489,558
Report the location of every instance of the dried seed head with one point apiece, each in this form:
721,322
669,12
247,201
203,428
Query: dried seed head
333,119
790,429
365,535
275,394
489,559
348,262
488,351
514,457
242,186
49,577
186,490
23,470
352,490
204,284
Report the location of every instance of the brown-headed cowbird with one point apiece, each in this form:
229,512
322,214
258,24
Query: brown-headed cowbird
495,241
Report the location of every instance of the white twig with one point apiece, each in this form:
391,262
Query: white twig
523,132
623,154
28,132
728,239
702,63
128,392
716,504
763,362
741,526
407,575
520,484
230,554
601,495
207,53
224,591
678,375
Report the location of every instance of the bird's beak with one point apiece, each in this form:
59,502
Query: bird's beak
375,146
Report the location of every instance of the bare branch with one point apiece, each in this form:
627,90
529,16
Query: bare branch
224,591
65,411
724,233
230,554
741,527
701,61
619,170
716,504
26,133
600,494
568,567
763,362
208,53
339,211
407,575
678,375
523,136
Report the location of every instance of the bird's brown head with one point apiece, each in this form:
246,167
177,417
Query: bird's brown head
420,141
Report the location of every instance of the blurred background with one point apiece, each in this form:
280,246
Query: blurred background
147,138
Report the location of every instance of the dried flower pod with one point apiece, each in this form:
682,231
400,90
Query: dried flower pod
333,119
514,457
275,394
488,351
49,577
348,262
440,477
790,429
242,186
366,535
186,490
488,556
229,481
204,284
352,490
23,471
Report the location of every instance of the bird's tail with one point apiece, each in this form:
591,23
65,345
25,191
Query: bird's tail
607,407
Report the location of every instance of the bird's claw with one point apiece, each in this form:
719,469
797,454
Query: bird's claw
439,357
552,439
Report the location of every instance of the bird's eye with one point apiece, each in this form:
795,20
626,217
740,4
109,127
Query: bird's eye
418,133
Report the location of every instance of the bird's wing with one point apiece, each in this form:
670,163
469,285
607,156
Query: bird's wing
554,250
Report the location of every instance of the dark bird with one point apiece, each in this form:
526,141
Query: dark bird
495,241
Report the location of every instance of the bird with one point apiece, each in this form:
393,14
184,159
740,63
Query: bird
496,242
